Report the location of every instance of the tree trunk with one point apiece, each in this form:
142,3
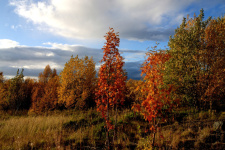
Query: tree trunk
153,139
107,134
115,127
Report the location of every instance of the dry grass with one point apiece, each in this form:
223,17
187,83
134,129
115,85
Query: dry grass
18,132
79,129
145,143
205,132
71,129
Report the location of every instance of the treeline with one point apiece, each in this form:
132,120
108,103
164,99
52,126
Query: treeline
191,73
72,88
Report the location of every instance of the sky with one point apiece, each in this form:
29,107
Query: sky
35,33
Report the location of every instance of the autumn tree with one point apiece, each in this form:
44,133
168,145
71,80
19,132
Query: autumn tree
212,81
17,93
197,66
156,100
46,74
1,77
27,88
111,81
3,93
183,69
37,94
50,98
44,94
77,83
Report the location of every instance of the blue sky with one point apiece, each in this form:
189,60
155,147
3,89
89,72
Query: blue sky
35,33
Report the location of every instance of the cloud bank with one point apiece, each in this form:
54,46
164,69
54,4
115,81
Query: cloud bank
34,59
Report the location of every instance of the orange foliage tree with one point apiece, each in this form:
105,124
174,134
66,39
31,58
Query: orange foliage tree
44,95
77,83
156,96
213,62
111,80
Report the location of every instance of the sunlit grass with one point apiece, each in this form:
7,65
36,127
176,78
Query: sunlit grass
21,131
79,129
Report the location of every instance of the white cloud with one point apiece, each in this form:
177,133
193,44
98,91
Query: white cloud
82,19
65,47
15,27
6,43
49,54
40,66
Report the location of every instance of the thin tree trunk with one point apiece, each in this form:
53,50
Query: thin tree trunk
107,134
156,125
115,128
153,139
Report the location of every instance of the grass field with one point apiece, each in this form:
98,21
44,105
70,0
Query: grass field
85,130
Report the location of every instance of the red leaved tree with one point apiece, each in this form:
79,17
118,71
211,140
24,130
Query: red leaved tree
156,97
111,81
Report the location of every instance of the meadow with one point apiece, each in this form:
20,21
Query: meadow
86,130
